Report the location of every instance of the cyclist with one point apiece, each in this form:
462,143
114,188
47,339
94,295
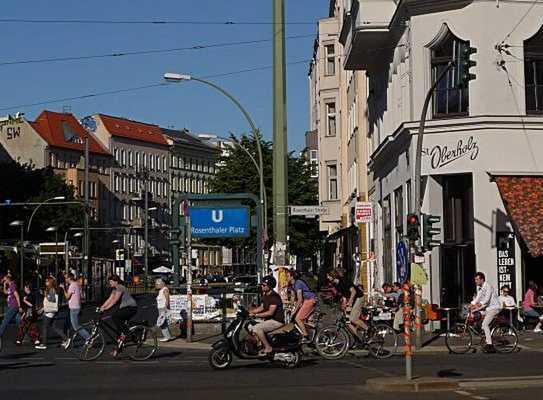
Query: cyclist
486,301
353,300
305,301
127,307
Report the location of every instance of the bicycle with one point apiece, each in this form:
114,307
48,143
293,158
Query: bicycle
459,338
140,343
379,339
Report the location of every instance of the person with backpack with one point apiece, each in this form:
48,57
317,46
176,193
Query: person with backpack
305,301
29,317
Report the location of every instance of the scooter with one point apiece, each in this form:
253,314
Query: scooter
285,341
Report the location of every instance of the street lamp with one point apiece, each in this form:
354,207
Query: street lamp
175,77
21,226
55,229
57,198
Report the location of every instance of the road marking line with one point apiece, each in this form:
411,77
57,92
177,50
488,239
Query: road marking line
462,393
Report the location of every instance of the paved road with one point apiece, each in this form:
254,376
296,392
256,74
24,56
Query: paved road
27,373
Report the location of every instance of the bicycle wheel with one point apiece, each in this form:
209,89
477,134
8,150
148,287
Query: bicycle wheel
504,338
459,339
383,341
87,348
332,342
141,343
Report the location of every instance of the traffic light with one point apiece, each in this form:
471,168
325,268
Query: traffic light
430,231
413,227
463,64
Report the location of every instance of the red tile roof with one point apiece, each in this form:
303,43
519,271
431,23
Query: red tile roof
133,130
523,199
64,130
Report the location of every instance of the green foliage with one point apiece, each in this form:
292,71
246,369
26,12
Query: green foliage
21,183
238,174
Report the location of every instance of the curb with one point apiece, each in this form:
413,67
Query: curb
518,382
182,345
419,384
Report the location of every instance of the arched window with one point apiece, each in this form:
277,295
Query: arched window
449,100
533,73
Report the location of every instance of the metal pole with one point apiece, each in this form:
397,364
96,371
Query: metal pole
66,256
22,256
189,279
146,228
407,333
280,217
56,252
86,236
418,178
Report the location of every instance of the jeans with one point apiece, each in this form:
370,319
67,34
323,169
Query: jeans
50,323
11,312
74,320
489,317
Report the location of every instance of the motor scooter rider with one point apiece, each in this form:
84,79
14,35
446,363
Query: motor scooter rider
271,310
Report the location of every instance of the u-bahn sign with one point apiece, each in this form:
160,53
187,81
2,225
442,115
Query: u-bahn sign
219,222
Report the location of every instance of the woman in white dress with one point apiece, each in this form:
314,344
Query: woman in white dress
163,305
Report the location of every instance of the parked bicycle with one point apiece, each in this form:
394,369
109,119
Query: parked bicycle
380,339
140,344
459,338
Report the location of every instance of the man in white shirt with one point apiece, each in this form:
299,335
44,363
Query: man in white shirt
486,301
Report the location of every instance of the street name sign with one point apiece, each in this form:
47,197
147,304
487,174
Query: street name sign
308,210
219,222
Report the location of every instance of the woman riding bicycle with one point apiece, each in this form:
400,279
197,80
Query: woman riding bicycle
127,306
305,301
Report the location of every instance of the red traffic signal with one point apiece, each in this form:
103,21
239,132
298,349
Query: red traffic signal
413,227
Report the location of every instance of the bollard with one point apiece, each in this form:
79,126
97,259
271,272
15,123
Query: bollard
407,331
418,317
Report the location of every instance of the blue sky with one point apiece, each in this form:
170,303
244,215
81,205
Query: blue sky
189,105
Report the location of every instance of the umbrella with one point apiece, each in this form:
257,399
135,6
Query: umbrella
163,270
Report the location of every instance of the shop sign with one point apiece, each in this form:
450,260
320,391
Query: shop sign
440,156
506,260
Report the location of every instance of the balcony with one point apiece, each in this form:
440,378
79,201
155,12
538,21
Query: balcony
365,30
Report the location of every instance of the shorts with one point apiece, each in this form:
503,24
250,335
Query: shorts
307,308
265,326
356,310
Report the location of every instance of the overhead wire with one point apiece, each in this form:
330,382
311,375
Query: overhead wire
534,2
147,52
145,22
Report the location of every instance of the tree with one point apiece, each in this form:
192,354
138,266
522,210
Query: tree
236,173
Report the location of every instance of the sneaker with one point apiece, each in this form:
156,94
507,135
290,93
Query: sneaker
165,339
36,343
18,342
538,330
66,344
41,347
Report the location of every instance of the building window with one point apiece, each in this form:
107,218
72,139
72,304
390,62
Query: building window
314,163
130,159
152,162
116,154
145,163
182,162
330,59
331,119
409,195
123,158
332,182
448,100
533,73
138,159
387,241
164,164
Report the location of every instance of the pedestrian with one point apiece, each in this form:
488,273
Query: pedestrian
50,311
73,295
29,317
163,305
13,301
528,303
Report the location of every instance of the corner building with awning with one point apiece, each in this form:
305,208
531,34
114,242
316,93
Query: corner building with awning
482,161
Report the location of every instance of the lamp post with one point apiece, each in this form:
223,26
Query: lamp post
55,229
21,226
57,198
175,77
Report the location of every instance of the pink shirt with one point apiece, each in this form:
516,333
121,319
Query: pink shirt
75,298
528,300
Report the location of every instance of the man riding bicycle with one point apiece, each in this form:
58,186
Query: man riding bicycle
127,307
487,303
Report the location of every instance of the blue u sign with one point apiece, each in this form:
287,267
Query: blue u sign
217,222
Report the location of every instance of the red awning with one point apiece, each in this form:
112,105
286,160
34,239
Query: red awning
523,199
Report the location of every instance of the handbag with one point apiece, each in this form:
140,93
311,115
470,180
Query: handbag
50,306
